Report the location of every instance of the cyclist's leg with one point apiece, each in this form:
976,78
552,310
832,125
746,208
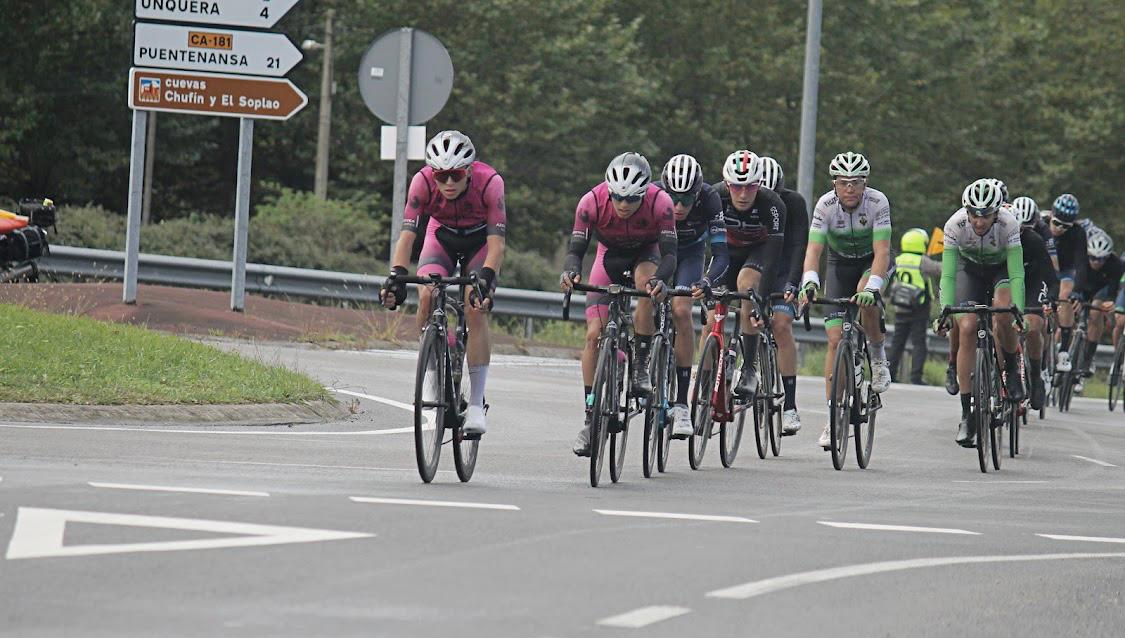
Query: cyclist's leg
1066,318
435,258
876,340
749,277
478,351
1007,338
971,288
689,269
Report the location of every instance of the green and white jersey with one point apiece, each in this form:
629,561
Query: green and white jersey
989,249
851,234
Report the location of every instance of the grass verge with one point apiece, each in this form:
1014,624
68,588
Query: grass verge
47,358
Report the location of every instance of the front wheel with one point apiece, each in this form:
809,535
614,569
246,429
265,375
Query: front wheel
429,403
603,407
701,414
1115,385
656,408
870,401
982,406
840,404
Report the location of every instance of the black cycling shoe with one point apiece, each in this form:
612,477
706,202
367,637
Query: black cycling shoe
747,385
1015,388
642,385
951,385
1038,393
967,432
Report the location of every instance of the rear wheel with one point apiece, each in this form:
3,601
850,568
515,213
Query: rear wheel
840,403
865,431
701,415
777,402
730,433
1115,384
982,406
664,437
603,407
763,401
429,404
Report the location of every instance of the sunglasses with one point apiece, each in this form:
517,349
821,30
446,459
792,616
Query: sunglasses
683,199
740,188
453,175
850,184
981,212
1097,259
1057,223
631,199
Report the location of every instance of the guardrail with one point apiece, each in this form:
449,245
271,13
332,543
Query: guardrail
90,263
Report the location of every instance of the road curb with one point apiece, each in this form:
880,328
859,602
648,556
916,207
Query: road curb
233,414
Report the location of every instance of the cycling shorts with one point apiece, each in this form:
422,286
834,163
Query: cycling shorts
615,267
689,264
843,275
743,257
977,283
443,248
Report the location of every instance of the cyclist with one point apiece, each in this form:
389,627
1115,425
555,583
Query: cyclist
464,200
792,253
1103,281
982,261
1070,244
699,221
636,231
912,293
755,219
854,220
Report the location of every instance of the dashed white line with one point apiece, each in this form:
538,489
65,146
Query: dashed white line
1095,461
1087,539
159,430
998,482
770,585
411,501
643,617
693,517
897,528
170,488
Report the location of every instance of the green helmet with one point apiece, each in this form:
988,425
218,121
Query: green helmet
915,240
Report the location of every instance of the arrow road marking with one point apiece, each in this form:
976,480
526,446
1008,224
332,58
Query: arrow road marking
897,528
643,617
39,533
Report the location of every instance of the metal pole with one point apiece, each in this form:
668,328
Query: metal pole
242,214
320,189
808,105
402,125
136,188
150,155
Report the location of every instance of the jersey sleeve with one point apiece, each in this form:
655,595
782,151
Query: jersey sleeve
416,199
949,258
666,220
818,225
881,227
951,234
495,209
580,235
716,223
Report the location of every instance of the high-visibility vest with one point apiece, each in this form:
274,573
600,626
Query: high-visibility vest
908,272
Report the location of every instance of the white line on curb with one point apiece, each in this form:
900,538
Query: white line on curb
1086,458
169,488
410,501
897,528
643,617
693,517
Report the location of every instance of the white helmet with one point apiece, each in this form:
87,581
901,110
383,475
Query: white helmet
682,174
982,197
849,165
1099,244
1025,209
1003,189
742,167
772,176
450,150
628,175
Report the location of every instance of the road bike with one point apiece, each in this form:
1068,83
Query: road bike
769,402
1065,381
439,401
852,404
1115,371
662,371
613,404
993,409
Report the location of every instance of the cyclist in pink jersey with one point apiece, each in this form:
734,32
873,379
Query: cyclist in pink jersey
636,231
464,200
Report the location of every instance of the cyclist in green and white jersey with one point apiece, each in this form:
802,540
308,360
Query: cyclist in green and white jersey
854,220
983,263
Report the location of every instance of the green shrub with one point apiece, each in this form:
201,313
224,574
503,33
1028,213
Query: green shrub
528,270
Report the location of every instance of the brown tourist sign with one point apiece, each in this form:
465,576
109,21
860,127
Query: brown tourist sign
214,94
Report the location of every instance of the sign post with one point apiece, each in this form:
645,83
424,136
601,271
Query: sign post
242,214
136,191
402,121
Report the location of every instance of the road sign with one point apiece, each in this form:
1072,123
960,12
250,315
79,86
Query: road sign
214,94
214,50
415,142
261,14
431,76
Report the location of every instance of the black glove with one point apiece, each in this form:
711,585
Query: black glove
483,290
704,285
393,288
655,285
791,289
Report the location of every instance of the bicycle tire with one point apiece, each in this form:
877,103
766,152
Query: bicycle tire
730,433
701,414
464,450
777,404
1014,434
1115,386
624,402
664,442
865,431
760,407
840,402
428,437
599,421
982,405
655,406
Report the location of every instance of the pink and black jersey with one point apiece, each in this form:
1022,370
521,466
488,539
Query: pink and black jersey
481,206
652,221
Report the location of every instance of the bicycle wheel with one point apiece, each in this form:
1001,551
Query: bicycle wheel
730,433
664,433
429,403
701,415
1115,374
655,406
982,405
865,430
603,408
625,408
464,449
840,404
777,400
1014,426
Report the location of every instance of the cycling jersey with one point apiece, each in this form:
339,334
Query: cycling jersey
1037,268
851,234
796,237
652,223
982,257
1071,248
1102,283
481,206
754,236
1088,225
1041,228
703,222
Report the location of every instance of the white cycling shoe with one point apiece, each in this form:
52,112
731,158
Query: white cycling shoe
825,440
681,422
790,422
474,421
880,375
1062,362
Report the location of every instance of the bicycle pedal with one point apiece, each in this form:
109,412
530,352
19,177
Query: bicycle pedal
470,437
679,437
615,427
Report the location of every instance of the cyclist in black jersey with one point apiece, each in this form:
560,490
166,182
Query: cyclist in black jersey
755,220
1070,244
1103,288
788,276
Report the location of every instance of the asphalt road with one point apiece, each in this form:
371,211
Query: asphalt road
273,543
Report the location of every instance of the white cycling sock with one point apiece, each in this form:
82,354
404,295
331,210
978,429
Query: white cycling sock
478,375
878,350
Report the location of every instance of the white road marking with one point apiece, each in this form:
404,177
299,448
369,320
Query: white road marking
38,533
1086,458
1087,539
411,501
409,407
159,430
169,488
643,617
770,585
999,482
693,517
311,465
897,528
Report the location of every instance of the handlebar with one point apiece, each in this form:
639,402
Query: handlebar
612,289
845,302
437,280
981,310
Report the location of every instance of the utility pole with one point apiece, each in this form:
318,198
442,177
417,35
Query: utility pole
805,162
320,188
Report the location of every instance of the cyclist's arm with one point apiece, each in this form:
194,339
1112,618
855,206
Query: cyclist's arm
1016,274
799,227
774,243
666,271
949,258
416,199
497,223
580,235
881,241
1081,262
717,232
